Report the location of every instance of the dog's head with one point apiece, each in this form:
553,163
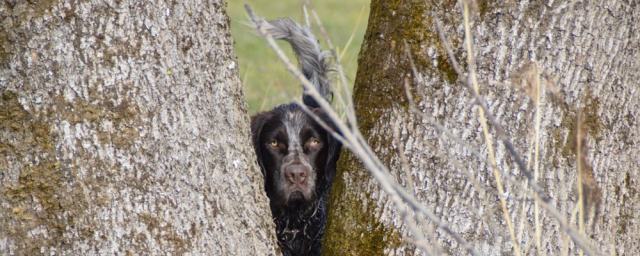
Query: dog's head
296,155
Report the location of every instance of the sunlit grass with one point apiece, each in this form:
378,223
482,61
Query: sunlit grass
266,81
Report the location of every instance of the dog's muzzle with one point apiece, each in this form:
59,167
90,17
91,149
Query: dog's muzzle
297,174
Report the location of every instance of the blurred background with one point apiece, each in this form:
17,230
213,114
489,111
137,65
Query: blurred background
266,81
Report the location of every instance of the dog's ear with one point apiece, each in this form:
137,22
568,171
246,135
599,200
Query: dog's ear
333,146
257,122
333,154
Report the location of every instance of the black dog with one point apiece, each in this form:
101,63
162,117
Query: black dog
296,155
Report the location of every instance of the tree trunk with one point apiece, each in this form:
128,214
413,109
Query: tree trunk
589,49
123,130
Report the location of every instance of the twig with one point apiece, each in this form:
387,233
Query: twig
343,80
403,160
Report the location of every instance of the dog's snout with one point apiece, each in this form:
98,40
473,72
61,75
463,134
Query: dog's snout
296,174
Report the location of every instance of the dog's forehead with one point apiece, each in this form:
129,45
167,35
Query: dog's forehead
294,122
295,116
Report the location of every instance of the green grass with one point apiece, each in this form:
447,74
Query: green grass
266,81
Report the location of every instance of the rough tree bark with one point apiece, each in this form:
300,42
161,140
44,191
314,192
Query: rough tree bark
590,49
123,130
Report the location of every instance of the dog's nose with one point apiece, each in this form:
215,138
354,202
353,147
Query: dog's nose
296,174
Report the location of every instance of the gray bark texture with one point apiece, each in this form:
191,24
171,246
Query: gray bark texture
589,50
123,131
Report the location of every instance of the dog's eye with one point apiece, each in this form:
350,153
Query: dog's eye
314,142
273,143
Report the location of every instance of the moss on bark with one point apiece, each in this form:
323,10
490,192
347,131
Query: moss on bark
41,183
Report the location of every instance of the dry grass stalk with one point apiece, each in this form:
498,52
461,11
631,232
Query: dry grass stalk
485,128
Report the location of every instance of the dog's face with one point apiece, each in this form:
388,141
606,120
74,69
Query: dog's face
294,153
